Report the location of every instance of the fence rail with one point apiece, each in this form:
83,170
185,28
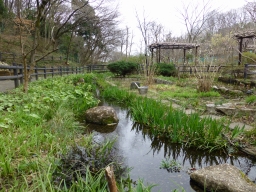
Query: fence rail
16,71
199,68
247,70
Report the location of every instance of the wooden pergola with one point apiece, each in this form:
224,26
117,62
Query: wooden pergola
172,45
240,37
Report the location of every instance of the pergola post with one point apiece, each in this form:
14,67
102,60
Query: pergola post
159,55
240,51
152,55
196,56
184,56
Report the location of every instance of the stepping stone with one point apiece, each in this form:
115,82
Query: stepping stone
239,124
189,111
211,116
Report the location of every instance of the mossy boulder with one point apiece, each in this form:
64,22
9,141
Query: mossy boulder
102,115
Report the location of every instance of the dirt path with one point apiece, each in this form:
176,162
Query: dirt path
6,85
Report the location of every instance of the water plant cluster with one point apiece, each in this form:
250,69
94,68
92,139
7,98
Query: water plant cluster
173,124
43,146
170,165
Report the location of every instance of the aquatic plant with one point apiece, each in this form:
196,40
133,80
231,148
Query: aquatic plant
164,121
112,93
170,165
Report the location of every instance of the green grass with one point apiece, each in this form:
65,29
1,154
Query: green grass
251,99
38,129
189,93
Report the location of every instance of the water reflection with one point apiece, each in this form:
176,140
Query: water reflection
144,152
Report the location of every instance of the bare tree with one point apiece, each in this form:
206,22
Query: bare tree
144,27
195,16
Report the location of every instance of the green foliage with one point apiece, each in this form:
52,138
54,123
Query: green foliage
117,95
37,126
3,10
123,68
189,57
170,165
164,121
248,58
165,69
251,99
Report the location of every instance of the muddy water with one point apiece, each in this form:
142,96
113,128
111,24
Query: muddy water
143,153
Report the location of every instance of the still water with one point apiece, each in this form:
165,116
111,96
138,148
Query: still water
144,153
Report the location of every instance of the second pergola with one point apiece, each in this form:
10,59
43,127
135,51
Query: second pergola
172,45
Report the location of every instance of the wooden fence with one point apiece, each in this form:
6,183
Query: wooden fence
199,68
247,70
16,72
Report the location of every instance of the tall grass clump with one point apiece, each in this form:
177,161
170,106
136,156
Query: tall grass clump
121,96
164,121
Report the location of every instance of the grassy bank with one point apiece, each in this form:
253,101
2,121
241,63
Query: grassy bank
40,137
173,124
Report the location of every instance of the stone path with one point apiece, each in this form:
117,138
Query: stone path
6,85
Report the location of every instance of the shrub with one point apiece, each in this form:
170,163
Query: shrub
248,58
122,68
166,69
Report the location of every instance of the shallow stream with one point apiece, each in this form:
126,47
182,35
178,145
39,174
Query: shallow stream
144,153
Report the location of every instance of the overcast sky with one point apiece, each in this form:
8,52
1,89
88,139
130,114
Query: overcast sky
164,12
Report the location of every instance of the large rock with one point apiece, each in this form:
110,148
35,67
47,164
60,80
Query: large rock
223,177
102,115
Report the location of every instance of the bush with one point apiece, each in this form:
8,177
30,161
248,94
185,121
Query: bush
123,68
248,58
165,69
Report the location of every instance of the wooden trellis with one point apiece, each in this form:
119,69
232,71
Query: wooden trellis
240,37
172,45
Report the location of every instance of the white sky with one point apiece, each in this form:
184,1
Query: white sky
164,12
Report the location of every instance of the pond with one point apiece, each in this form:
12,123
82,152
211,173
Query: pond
144,154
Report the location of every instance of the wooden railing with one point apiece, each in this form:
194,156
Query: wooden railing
199,68
247,70
16,72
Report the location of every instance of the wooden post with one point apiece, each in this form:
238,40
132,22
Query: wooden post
16,80
52,71
240,51
245,71
159,55
184,59
196,56
36,72
21,73
109,173
45,72
60,70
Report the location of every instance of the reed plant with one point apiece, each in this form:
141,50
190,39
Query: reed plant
121,96
164,121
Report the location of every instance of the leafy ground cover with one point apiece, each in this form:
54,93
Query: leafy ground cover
42,140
